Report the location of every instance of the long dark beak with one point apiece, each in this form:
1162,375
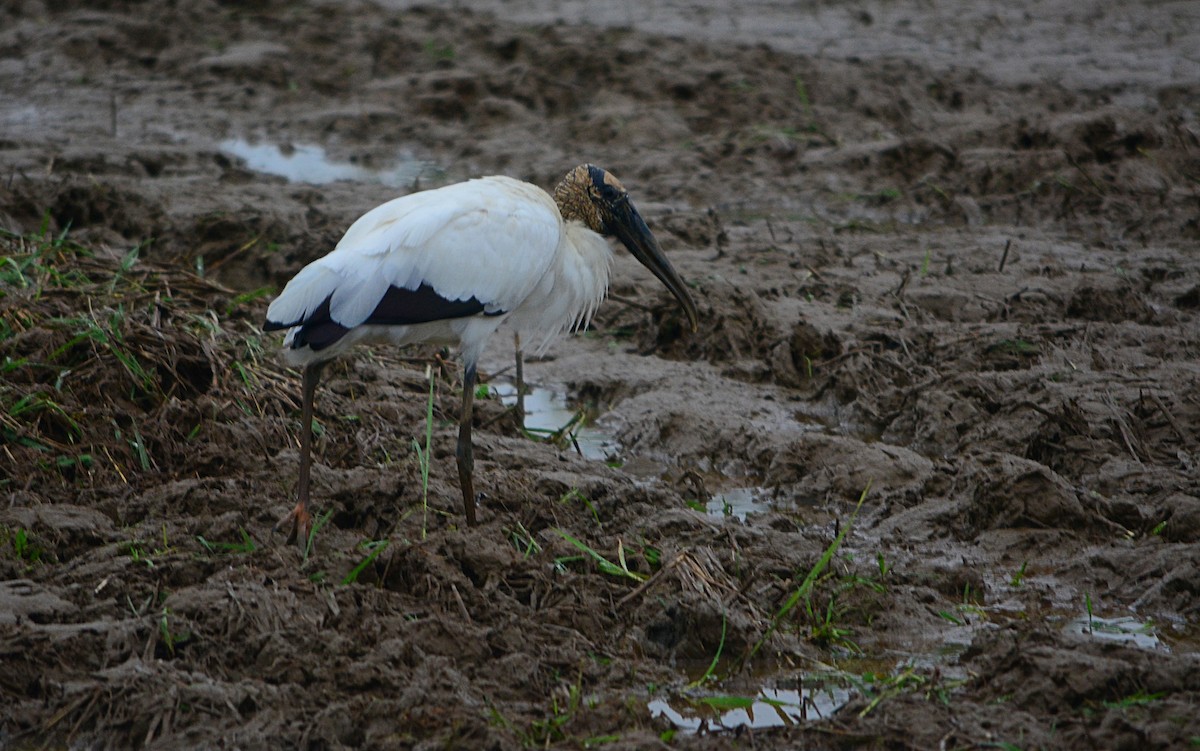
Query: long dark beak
631,229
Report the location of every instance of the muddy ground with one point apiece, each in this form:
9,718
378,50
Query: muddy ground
946,257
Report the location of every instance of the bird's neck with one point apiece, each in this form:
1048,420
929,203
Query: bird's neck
584,266
569,293
573,202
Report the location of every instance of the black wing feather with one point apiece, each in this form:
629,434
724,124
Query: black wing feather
397,307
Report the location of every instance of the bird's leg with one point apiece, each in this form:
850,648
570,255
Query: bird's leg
301,520
464,452
520,381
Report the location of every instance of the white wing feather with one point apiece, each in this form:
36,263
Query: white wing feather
492,239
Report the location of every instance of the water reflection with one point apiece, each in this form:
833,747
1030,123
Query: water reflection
739,502
308,163
771,707
547,412
1126,629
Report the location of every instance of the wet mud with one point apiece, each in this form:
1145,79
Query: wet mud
927,476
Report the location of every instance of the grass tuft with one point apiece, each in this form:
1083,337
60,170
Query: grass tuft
98,349
246,545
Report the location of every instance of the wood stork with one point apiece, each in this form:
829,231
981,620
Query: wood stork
448,267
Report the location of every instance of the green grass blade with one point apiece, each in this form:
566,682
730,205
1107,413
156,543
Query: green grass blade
716,657
376,547
727,702
602,563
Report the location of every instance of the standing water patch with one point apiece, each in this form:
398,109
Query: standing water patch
738,502
771,707
547,414
1125,629
307,163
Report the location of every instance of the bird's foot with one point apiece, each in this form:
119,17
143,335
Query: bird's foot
300,524
445,364
518,420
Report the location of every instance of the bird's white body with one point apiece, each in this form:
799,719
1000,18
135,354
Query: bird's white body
498,240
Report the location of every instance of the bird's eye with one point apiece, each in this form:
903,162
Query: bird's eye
609,193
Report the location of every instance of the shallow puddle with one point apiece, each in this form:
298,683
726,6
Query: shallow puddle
771,707
739,502
308,163
547,412
1125,629
742,501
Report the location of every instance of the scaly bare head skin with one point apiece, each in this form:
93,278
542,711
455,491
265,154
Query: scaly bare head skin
590,194
572,194
593,196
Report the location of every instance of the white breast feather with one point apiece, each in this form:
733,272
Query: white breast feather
571,290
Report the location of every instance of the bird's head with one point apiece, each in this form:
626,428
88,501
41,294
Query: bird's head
595,197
